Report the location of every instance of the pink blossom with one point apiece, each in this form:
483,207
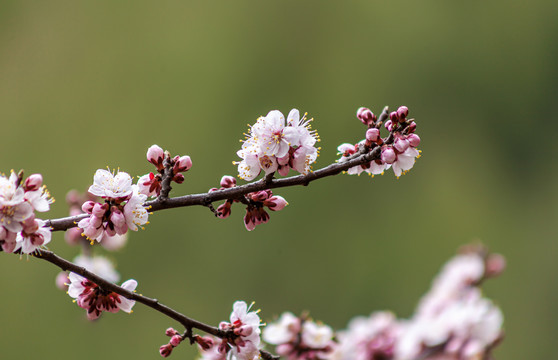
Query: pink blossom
246,325
156,155
33,236
92,298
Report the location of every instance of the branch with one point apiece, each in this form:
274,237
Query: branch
187,322
265,183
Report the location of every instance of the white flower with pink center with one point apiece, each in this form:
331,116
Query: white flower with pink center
405,161
95,300
273,137
135,213
284,330
13,207
109,185
32,236
246,325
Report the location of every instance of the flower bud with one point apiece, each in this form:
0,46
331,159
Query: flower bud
401,144
389,125
99,210
204,342
276,203
228,182
175,340
414,140
388,155
165,350
495,265
412,127
394,117
182,164
33,182
178,178
87,206
402,112
366,116
171,332
372,134
155,155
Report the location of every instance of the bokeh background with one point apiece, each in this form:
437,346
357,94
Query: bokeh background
85,85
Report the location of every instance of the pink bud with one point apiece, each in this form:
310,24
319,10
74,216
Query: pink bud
495,265
178,178
394,117
165,350
389,125
155,155
412,127
99,210
414,140
228,182
118,220
388,155
176,340
223,325
372,134
33,182
171,332
87,207
276,203
366,116
204,342
245,330
402,112
184,163
260,195
224,210
401,144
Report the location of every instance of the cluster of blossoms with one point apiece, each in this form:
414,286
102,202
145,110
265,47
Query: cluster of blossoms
122,208
20,231
300,338
74,235
151,184
452,322
94,299
397,150
255,203
242,340
275,145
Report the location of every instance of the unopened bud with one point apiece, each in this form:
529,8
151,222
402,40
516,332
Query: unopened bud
414,140
495,265
87,207
401,144
178,178
389,125
412,127
204,342
366,116
155,155
181,164
175,340
402,112
372,134
33,182
276,203
388,155
228,181
165,350
171,332
394,117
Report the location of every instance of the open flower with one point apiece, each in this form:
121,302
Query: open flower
95,300
109,185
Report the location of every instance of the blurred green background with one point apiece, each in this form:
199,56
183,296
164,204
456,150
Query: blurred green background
85,85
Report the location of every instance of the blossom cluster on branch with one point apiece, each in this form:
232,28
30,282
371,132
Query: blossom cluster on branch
453,321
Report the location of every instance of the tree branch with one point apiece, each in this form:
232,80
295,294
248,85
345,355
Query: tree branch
187,322
204,199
